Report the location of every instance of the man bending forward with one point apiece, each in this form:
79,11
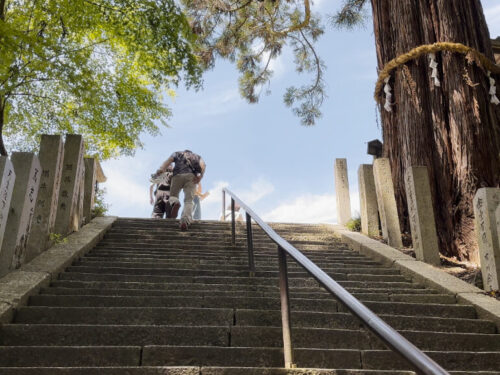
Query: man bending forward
189,169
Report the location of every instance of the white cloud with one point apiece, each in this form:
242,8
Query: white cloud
258,190
310,208
212,205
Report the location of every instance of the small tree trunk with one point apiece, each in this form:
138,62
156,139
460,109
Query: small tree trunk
454,130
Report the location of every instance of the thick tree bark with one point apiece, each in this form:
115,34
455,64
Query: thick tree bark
454,129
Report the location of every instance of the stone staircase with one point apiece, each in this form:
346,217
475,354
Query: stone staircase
149,299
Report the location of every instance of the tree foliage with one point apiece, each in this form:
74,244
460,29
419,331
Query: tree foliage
251,33
93,67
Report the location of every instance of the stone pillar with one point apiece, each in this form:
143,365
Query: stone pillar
22,210
421,215
386,200
8,177
368,200
90,181
51,160
68,201
342,192
78,219
486,202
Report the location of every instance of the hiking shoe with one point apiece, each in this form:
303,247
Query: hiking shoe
174,210
183,226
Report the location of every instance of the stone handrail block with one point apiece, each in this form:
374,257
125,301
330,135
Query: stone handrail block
17,286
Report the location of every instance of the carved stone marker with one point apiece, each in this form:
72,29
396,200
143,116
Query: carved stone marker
78,219
22,210
486,202
8,177
386,200
421,215
90,181
51,160
68,202
368,200
342,192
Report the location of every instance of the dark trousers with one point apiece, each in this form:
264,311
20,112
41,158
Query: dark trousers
161,208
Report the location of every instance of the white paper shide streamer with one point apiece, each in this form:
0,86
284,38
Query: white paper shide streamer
493,90
434,65
388,95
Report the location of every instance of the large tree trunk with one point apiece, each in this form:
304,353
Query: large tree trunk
454,129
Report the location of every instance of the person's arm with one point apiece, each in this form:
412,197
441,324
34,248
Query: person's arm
165,165
151,200
198,178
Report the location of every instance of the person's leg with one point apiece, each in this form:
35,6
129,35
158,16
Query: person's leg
174,202
157,208
189,188
196,208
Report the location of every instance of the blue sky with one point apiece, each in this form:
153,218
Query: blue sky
260,151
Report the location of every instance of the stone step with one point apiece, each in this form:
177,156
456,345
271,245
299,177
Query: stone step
470,362
232,268
112,335
221,287
243,264
260,303
222,250
31,356
351,339
241,317
215,258
319,358
346,320
157,370
418,309
210,302
73,276
186,316
214,246
367,296
356,275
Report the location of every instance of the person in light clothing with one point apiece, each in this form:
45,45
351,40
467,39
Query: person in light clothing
189,169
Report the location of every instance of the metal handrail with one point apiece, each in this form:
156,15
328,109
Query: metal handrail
414,356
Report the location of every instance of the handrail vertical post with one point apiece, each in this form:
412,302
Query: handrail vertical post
285,309
223,205
233,224
251,263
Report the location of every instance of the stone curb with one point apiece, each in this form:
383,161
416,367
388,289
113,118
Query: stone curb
423,273
17,286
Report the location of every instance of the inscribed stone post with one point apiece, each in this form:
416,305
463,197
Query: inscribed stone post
22,210
342,191
51,161
386,200
368,200
421,215
8,177
486,202
67,206
90,181
78,219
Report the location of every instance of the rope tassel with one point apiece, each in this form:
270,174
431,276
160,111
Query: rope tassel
388,95
434,65
493,90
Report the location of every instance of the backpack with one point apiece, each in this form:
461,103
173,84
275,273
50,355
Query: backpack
193,161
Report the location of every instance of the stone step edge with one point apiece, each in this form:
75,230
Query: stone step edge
204,370
17,286
486,307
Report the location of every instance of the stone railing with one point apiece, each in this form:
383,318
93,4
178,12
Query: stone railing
378,204
44,197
